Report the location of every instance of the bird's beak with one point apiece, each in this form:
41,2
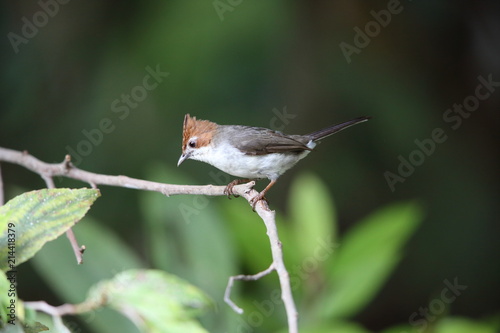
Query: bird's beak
183,158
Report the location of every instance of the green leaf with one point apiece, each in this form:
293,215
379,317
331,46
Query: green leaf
342,327
179,228
22,322
43,322
463,325
5,298
37,217
155,300
105,256
312,212
16,328
366,257
250,234
35,328
188,237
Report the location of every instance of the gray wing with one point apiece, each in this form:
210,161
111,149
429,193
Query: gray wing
262,141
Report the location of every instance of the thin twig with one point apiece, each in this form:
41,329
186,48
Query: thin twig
227,293
49,181
66,169
77,250
284,277
61,310
268,217
66,309
69,233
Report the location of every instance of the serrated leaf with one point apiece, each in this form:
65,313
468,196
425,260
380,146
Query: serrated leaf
37,217
367,255
155,300
106,255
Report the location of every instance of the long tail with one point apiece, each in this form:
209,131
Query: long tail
325,132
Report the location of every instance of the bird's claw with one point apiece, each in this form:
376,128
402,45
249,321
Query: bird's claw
229,189
257,198
253,202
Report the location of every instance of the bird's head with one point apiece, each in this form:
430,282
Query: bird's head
196,136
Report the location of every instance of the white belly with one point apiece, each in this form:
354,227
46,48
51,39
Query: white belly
236,163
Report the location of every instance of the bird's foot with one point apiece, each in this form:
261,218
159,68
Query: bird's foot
257,198
229,188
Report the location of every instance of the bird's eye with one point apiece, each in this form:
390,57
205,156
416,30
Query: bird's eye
192,144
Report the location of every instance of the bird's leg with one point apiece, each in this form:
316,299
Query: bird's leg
261,195
229,188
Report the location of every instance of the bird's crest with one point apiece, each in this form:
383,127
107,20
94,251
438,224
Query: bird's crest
202,129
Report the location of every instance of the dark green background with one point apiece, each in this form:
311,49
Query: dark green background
262,57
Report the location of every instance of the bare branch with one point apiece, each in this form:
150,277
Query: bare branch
65,309
227,294
78,250
66,169
49,181
61,310
284,277
268,217
278,264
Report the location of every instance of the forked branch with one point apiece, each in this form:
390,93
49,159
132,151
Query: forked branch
66,169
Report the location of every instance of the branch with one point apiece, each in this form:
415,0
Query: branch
66,309
78,251
278,264
54,311
227,294
66,169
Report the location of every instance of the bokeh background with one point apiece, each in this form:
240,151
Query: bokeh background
279,65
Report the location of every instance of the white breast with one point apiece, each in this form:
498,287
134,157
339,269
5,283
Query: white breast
232,161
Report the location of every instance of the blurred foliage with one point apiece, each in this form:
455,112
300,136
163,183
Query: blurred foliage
336,278
154,300
272,64
369,253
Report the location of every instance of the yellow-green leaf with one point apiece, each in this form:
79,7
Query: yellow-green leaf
31,219
313,213
367,255
464,325
164,302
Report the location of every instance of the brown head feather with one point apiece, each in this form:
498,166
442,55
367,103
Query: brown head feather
203,129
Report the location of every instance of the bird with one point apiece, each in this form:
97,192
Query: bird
250,152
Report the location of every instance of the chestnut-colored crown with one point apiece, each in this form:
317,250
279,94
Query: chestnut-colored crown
202,129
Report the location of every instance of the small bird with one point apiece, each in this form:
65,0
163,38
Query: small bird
249,152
